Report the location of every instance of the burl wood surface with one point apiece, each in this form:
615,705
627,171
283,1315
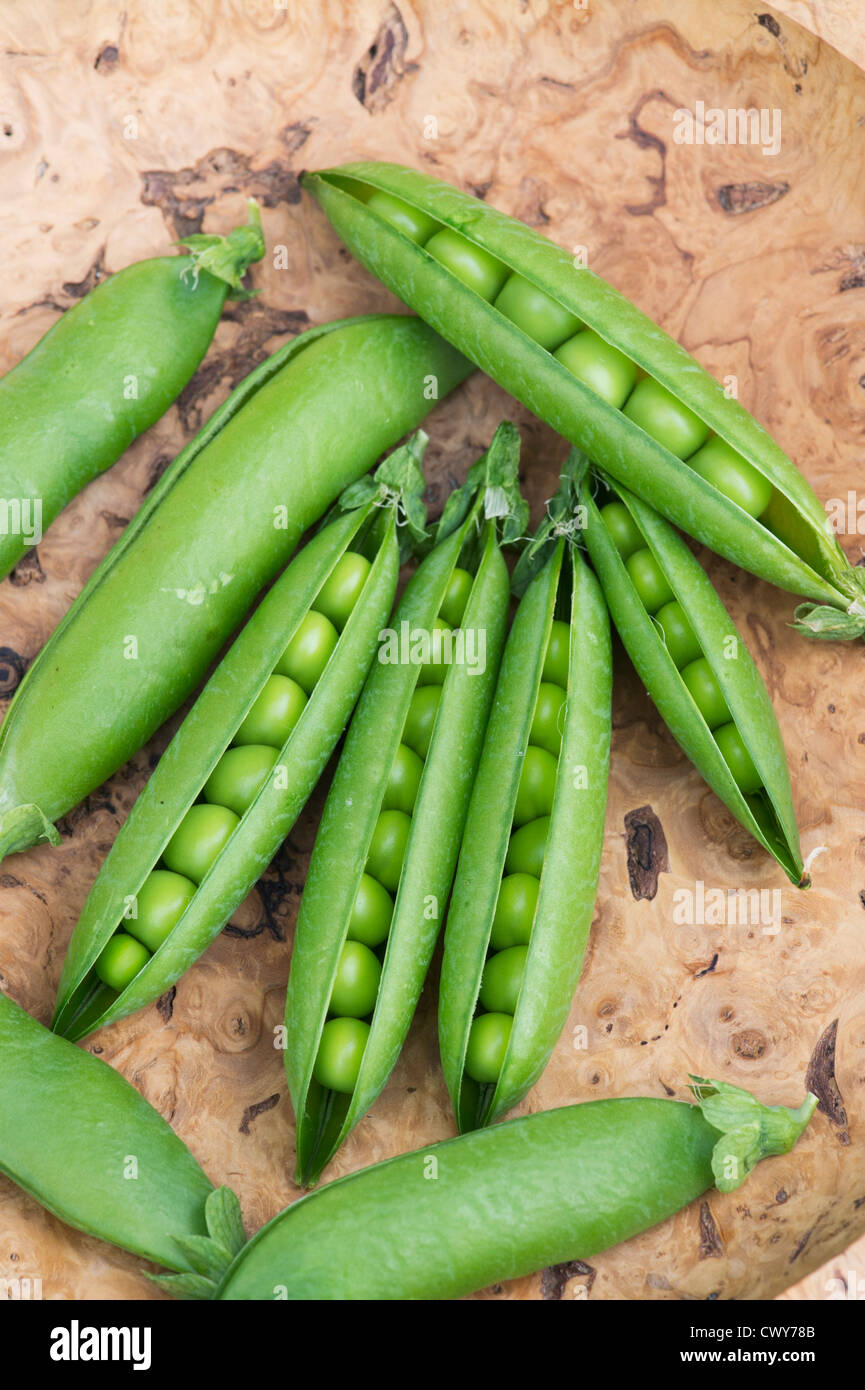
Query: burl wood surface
124,127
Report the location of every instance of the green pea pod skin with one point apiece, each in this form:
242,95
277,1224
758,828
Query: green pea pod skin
323,1119
71,1129
821,571
194,752
220,524
569,882
106,371
740,681
492,1205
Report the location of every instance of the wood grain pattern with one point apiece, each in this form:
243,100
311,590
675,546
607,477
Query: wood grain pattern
124,128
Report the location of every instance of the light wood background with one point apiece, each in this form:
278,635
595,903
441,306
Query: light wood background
124,126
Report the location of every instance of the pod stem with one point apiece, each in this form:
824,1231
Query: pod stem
398,482
749,1130
23,826
492,486
208,1256
227,257
828,624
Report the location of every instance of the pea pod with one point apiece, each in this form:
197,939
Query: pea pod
219,525
105,372
571,348
502,1202
715,704
170,883
89,1147
384,858
516,931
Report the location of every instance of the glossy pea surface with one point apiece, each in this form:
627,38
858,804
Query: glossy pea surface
469,263
239,776
274,713
515,911
600,366
371,913
120,960
527,848
410,221
162,899
556,659
403,782
649,580
433,672
487,1045
679,637
549,718
502,978
340,1053
355,985
738,759
656,410
387,848
537,786
420,719
543,319
706,692
624,531
739,480
342,588
200,837
456,598
309,650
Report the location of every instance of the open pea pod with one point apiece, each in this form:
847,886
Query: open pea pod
90,1148
527,877
387,847
500,1203
243,763
715,698
571,348
218,527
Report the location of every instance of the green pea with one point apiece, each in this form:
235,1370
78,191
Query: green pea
371,914
549,718
515,911
421,717
341,590
162,899
309,650
410,221
527,848
355,985
706,692
623,529
502,980
739,480
469,263
199,840
387,848
340,1053
456,598
433,672
403,782
487,1045
239,776
120,961
556,660
537,786
679,636
661,415
543,319
738,759
648,579
273,714
600,366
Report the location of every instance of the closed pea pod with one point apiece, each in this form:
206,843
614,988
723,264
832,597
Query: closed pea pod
502,293
337,1066
518,923
69,1126
107,370
219,525
181,865
532,1192
716,706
